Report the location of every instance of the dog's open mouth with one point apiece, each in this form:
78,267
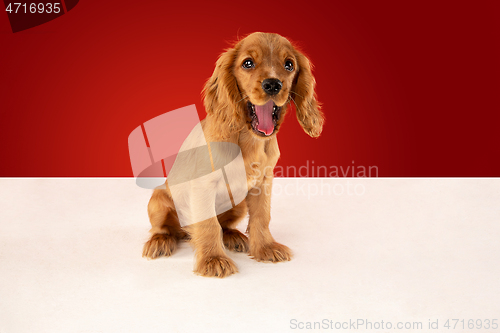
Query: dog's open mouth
264,118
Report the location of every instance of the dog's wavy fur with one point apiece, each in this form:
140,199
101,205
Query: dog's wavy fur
226,96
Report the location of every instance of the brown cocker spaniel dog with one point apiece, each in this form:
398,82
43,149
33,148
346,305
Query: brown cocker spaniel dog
246,99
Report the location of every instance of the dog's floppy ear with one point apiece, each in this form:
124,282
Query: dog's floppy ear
307,107
222,96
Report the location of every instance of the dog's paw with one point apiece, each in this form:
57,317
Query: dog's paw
234,240
159,245
274,252
215,267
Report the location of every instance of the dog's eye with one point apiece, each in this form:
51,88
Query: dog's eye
248,63
289,65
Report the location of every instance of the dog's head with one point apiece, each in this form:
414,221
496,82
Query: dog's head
255,81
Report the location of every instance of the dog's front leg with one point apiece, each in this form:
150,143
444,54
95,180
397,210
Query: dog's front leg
263,247
211,260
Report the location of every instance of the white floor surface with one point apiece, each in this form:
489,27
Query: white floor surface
397,250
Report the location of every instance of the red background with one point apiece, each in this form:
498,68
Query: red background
409,87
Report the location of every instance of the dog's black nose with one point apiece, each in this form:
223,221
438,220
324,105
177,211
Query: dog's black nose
271,86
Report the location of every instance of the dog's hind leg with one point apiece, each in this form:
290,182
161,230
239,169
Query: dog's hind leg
233,239
166,230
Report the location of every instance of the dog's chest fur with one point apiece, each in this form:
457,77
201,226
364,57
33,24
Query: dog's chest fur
260,157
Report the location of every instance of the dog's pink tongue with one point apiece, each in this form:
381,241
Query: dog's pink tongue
265,116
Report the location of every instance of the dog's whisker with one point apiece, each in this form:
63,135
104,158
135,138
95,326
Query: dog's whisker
298,109
302,98
296,93
242,98
295,103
